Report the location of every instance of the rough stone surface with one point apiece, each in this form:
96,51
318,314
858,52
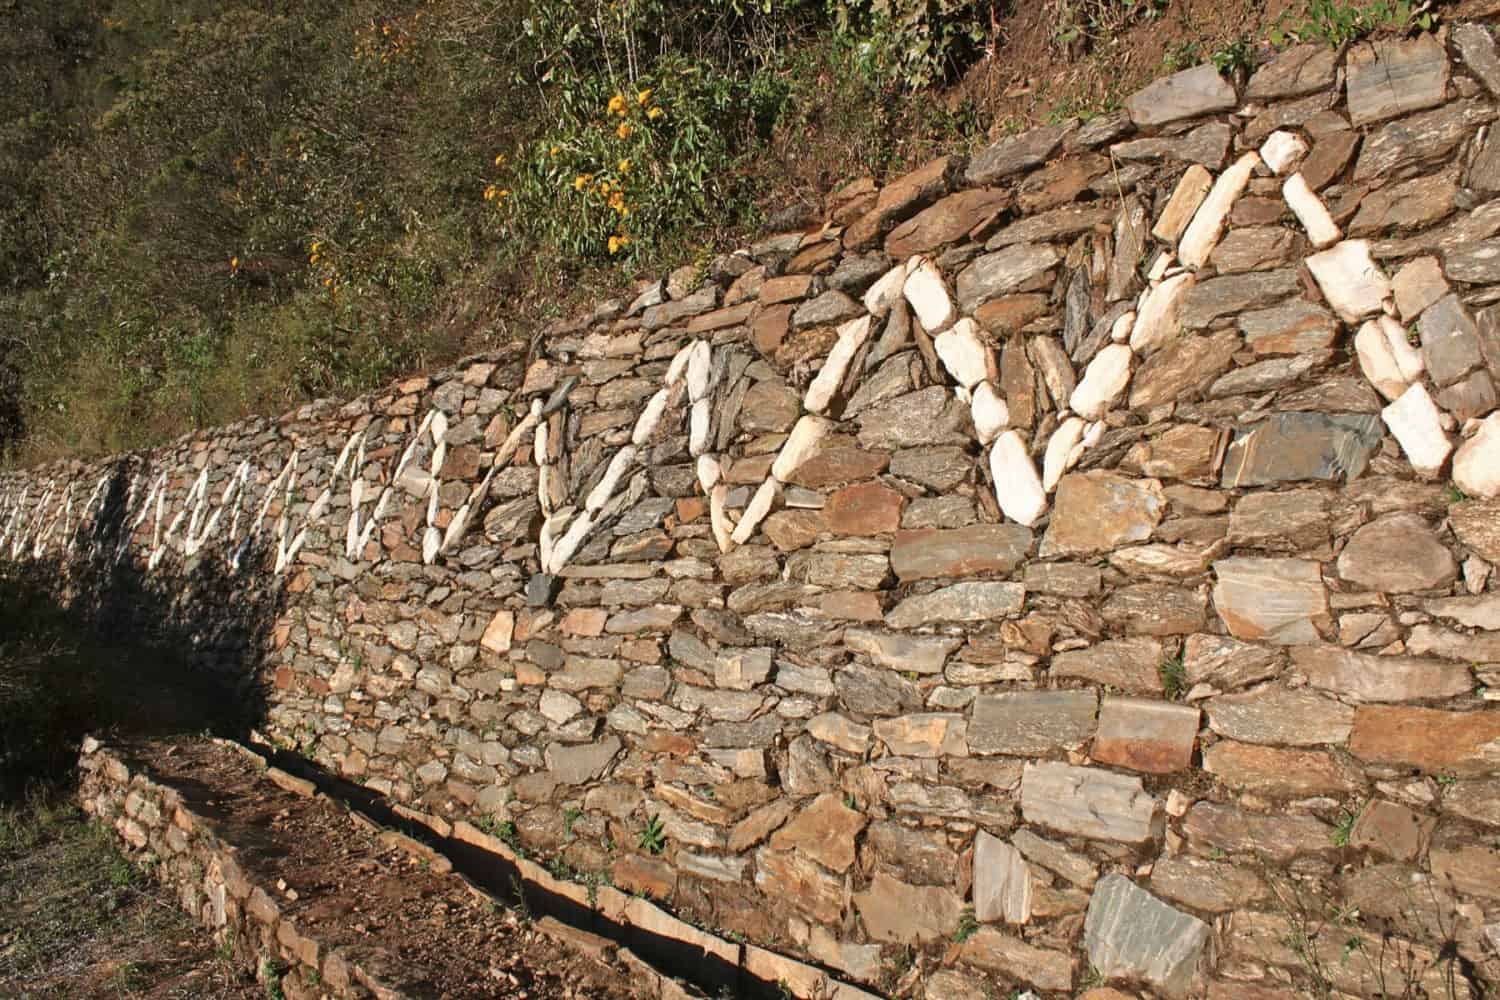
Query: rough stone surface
1032,722
1088,802
1130,934
1398,553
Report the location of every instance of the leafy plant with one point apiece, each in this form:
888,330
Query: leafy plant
1235,58
1343,828
967,925
652,839
1339,22
1173,675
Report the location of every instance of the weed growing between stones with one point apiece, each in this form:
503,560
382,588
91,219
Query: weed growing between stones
652,839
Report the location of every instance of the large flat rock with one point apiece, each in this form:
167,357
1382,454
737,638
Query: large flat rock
1089,802
1188,94
1130,934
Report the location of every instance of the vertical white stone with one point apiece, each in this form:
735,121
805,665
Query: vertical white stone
700,427
991,414
1282,151
1208,222
1310,211
1417,426
1018,489
756,510
852,336
965,356
645,424
1055,462
799,445
1377,362
880,296
928,296
1350,280
1159,319
1103,381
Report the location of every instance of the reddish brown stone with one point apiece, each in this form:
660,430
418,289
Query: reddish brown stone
1146,735
793,529
1277,773
948,221
978,548
901,198
789,288
721,319
1465,743
839,464
1010,313
864,509
635,873
814,257
1392,830
770,328
824,831
852,605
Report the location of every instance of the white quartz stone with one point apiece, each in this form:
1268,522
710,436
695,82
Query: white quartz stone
679,364
1160,316
1350,279
718,516
852,336
600,494
1476,465
928,296
1416,425
645,424
1103,381
709,472
799,445
965,356
1160,266
1059,450
700,425
1377,362
756,510
700,370
991,415
1282,151
1408,359
1018,488
883,294
1203,232
1310,211
1119,331
538,446
569,542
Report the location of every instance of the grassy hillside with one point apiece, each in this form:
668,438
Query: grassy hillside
209,209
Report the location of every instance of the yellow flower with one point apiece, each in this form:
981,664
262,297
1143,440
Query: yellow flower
617,104
644,97
499,159
234,263
604,187
614,244
624,130
654,114
489,193
554,150
582,181
327,282
617,200
623,166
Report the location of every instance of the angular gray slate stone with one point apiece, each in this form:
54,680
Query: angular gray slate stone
1274,715
1130,934
1450,340
1002,272
962,602
1393,77
1398,554
1002,882
1300,70
1235,293
1032,722
1292,446
1206,144
919,654
1279,600
1017,152
1089,802
1477,49
1192,92
574,765
1426,135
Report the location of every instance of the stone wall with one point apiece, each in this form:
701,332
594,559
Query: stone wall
1070,561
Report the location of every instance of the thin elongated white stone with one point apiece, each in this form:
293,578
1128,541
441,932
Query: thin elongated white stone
1408,359
539,445
1350,280
1417,426
1119,332
964,354
928,296
709,472
1160,316
991,414
718,517
1377,362
679,364
1208,222
432,543
1018,489
700,426
570,541
799,445
756,510
600,494
852,336
700,370
439,427
1282,151
887,289
1103,381
1310,211
645,424
1055,462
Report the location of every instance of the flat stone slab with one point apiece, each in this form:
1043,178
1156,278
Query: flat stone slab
1032,722
1276,715
1146,735
961,602
979,548
1002,881
1188,94
1097,511
1129,664
1397,554
1277,600
1300,445
1130,934
1089,802
1465,743
1394,77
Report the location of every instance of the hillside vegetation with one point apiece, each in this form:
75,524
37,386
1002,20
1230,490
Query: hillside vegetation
215,209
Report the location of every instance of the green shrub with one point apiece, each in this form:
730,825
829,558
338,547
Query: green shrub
1338,22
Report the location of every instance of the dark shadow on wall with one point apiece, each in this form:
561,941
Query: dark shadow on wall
93,643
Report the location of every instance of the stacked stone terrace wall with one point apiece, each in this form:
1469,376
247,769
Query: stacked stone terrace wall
1071,561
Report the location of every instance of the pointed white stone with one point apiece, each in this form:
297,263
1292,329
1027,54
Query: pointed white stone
1377,362
1103,381
700,426
709,472
439,426
718,517
432,541
928,296
883,294
700,370
965,356
1208,222
1282,151
1095,433
539,445
600,494
1060,446
1350,280
679,364
569,542
799,445
1018,489
852,336
1119,332
756,510
1160,317
1416,424
1408,358
1160,266
645,424
1476,466
1310,211
991,415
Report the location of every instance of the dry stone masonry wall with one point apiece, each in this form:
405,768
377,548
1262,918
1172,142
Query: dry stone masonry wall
1072,562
